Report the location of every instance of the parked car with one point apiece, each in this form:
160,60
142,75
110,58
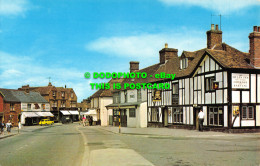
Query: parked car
46,122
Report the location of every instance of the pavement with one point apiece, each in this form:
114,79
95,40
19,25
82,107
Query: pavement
15,131
167,132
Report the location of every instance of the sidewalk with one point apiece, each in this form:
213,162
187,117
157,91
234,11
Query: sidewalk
14,130
166,132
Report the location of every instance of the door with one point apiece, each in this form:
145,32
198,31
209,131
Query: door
165,117
195,118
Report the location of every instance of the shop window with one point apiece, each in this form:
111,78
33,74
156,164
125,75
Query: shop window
247,112
132,113
155,114
209,84
43,106
177,115
216,116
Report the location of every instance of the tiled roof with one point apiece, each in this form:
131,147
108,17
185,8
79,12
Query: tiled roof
11,95
106,92
225,55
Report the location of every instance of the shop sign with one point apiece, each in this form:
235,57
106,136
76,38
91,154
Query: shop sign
240,81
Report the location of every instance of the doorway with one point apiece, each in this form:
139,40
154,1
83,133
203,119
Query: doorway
165,117
195,117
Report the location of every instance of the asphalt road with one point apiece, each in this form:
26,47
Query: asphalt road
53,145
69,145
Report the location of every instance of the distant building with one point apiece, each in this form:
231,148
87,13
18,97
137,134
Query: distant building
26,107
62,100
99,100
132,103
1,106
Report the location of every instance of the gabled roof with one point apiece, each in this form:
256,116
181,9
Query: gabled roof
11,95
106,92
226,56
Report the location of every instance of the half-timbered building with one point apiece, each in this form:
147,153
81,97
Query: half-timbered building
219,79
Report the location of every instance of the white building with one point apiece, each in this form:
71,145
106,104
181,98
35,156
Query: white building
221,80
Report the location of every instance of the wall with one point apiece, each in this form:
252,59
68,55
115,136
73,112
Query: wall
104,113
12,115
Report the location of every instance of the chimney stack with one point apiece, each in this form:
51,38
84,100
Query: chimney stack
167,53
134,65
254,41
214,37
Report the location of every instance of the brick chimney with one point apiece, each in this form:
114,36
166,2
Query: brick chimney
214,36
167,53
134,65
254,41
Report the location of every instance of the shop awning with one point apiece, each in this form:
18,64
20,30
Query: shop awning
30,114
74,112
65,112
44,114
123,105
91,112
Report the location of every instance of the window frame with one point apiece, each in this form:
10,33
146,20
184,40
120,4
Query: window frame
208,81
211,116
247,113
132,113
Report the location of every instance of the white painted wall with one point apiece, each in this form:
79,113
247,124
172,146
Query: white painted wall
247,123
205,115
225,116
104,113
143,114
257,115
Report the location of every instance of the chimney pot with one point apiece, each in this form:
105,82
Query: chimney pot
134,65
212,26
166,45
255,29
217,27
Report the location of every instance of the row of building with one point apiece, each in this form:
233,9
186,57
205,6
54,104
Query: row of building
30,104
219,79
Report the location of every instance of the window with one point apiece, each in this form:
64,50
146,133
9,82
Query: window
139,95
216,116
125,93
43,106
155,114
53,93
177,115
116,97
11,106
54,104
132,113
175,93
36,106
184,63
247,112
62,94
209,84
62,103
29,107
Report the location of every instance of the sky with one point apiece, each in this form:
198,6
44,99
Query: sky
63,39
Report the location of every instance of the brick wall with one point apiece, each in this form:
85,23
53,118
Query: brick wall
13,116
254,41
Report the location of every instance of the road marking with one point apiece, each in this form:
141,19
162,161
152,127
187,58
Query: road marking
85,157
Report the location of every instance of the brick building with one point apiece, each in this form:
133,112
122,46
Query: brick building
1,106
22,106
61,99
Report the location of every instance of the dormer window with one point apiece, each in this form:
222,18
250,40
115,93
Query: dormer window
184,63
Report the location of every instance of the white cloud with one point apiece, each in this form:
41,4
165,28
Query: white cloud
146,46
16,71
13,7
221,6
